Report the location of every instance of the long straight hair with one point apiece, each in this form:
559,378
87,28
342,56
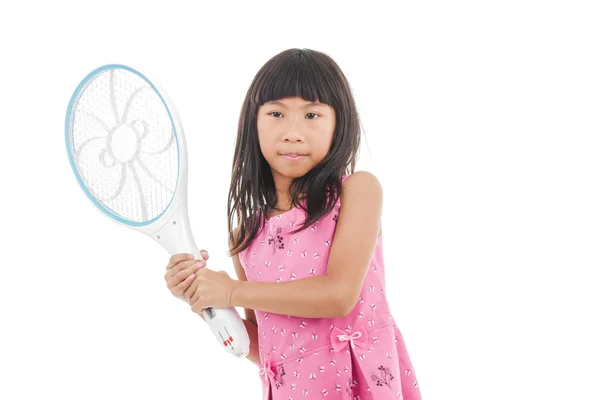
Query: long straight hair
313,76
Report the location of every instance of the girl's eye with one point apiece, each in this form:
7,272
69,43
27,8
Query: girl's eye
277,113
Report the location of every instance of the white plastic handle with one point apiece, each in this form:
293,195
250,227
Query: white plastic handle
226,324
228,327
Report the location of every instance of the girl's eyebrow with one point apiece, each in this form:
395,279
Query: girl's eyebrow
311,104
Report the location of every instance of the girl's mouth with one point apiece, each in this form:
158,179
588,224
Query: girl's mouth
293,156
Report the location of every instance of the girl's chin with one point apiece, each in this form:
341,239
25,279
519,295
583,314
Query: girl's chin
290,173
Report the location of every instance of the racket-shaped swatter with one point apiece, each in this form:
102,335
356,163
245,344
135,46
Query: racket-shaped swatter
127,149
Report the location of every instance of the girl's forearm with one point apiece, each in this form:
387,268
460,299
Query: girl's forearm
314,297
252,329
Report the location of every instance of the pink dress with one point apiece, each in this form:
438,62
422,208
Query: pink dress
360,356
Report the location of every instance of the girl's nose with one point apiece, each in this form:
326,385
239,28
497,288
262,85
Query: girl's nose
293,136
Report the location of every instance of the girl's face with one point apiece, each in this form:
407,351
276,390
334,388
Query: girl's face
294,135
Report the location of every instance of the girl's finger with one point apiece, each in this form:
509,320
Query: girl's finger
180,277
194,298
176,258
185,284
204,254
183,265
189,292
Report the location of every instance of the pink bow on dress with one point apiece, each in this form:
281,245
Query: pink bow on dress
339,339
266,371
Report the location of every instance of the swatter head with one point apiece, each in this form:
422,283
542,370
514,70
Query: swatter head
125,145
127,150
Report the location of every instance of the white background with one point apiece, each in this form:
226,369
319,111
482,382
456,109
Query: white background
483,126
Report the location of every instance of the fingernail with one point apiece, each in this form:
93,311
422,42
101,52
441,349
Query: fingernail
190,256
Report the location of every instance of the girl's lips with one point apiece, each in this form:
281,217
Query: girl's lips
293,156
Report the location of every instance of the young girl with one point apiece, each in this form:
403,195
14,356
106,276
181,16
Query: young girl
308,248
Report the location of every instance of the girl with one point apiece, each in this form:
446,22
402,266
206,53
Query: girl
308,247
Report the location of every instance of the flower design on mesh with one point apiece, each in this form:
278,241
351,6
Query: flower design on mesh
125,150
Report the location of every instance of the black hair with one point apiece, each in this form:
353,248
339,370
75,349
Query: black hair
313,76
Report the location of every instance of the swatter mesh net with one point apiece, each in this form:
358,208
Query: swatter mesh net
124,146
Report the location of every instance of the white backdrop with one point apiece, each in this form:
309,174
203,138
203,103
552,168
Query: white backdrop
483,126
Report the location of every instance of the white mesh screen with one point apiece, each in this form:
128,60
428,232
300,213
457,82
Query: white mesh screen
123,144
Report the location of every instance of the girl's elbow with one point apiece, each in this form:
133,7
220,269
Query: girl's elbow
345,304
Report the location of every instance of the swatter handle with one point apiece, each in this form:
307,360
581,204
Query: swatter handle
175,235
228,327
225,323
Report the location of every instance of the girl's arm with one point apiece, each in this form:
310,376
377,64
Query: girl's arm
250,321
252,330
336,293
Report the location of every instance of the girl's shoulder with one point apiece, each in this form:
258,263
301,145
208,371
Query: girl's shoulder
361,194
361,180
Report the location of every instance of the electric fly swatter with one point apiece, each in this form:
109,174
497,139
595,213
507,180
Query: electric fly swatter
127,149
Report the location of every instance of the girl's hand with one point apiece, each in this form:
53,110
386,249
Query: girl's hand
213,289
181,272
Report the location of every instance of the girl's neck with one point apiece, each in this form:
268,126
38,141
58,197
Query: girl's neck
284,199
282,189
281,206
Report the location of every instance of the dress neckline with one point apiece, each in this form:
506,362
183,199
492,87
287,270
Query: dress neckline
291,210
282,214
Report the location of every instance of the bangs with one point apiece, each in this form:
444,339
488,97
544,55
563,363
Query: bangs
294,76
